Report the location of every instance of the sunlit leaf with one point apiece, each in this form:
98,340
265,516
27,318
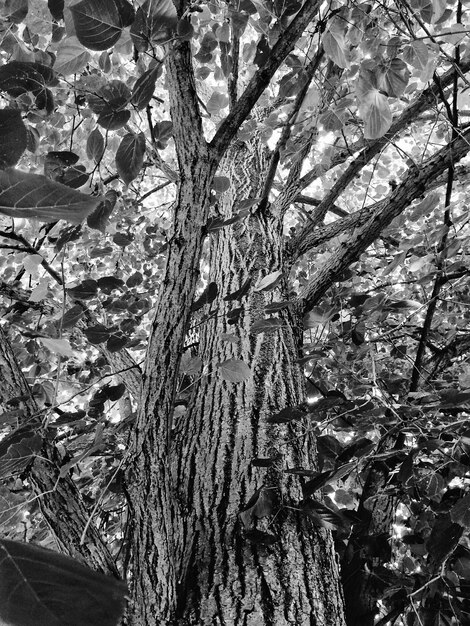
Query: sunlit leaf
71,57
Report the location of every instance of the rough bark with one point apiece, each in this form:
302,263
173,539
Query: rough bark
59,500
223,578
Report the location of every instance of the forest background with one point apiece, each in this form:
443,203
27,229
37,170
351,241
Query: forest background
234,301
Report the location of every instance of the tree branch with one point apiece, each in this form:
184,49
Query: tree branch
413,186
262,78
424,100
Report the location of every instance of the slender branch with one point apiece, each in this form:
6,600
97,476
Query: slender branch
422,102
287,130
453,114
262,78
233,75
414,185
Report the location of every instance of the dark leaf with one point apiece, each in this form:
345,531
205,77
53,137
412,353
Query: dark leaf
85,290
460,512
154,22
261,504
40,587
67,234
207,297
443,539
258,537
108,283
13,137
130,156
288,414
262,52
263,462
116,391
56,8
116,342
113,96
17,450
14,10
112,120
321,515
98,25
32,138
134,279
326,478
95,145
240,293
31,195
126,12
358,448
97,334
268,325
145,86
100,216
121,240
72,316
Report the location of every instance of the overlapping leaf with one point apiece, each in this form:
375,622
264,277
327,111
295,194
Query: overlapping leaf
35,196
13,137
97,24
39,586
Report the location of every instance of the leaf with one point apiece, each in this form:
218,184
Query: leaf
19,77
71,57
97,334
115,392
97,24
286,415
116,342
261,504
108,283
154,22
417,54
144,87
394,79
100,216
321,515
130,156
95,145
57,346
85,290
42,587
239,293
13,137
24,195
111,97
234,370
221,184
259,537
335,48
72,316
268,325
16,452
207,297
14,10
216,102
269,281
190,365
460,512
377,116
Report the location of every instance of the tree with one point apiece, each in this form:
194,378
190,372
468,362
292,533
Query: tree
203,464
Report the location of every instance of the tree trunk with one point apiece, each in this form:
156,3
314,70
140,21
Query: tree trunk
228,571
59,500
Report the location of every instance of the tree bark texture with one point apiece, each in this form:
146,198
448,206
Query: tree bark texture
223,577
59,500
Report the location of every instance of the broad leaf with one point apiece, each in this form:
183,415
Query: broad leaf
35,196
13,137
145,86
95,145
71,57
154,22
269,281
130,156
57,346
377,116
39,586
97,24
335,48
17,450
234,370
